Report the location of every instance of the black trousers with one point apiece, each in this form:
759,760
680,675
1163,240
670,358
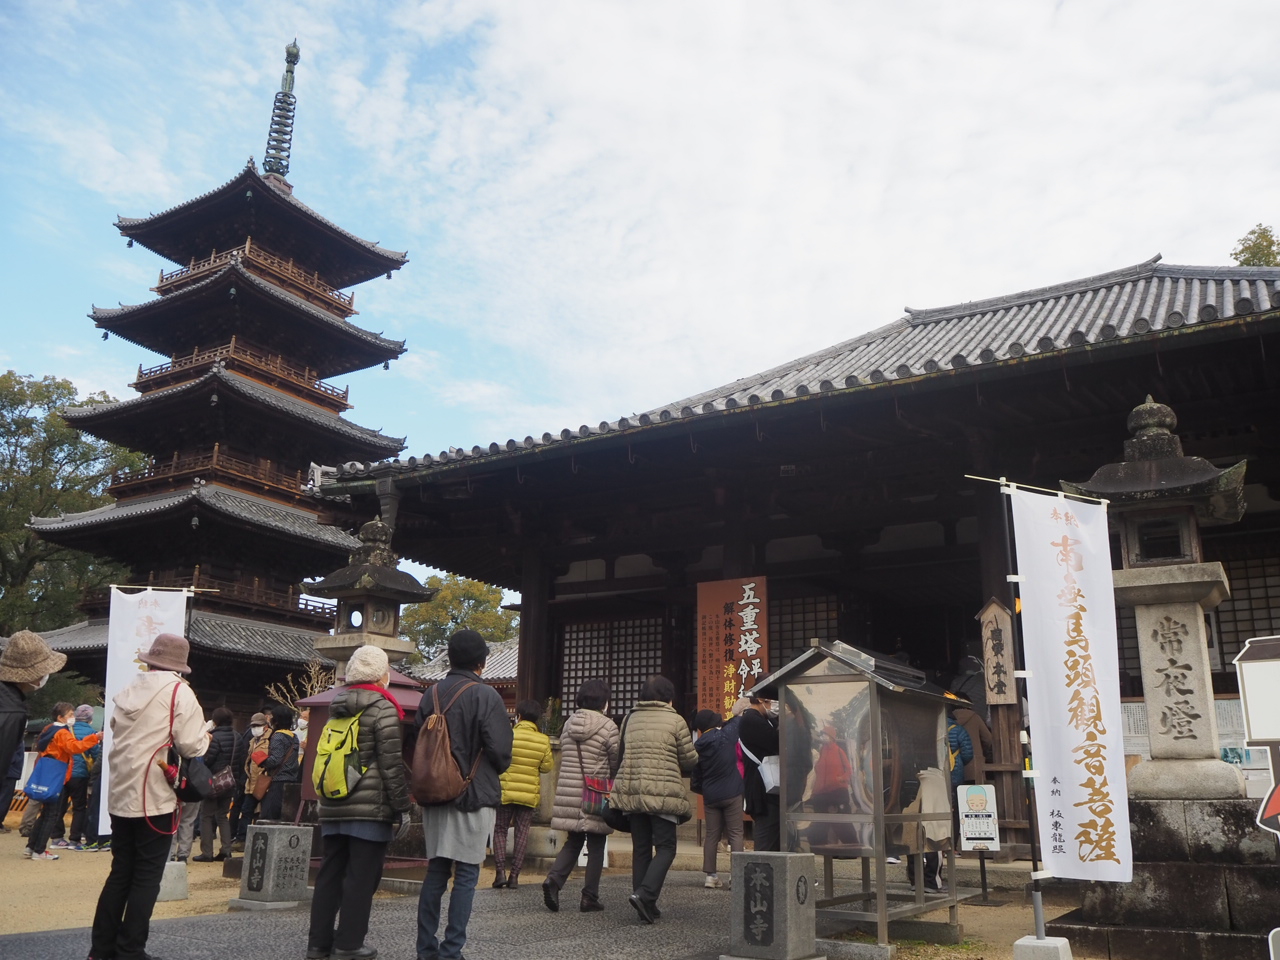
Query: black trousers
567,859
75,797
653,850
348,877
122,921
765,828
273,803
237,809
46,823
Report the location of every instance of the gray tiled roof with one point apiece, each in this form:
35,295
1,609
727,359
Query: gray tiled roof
237,505
503,661
257,392
213,632
100,314
250,172
1144,300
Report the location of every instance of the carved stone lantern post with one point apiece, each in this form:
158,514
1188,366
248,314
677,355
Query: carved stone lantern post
369,591
1159,500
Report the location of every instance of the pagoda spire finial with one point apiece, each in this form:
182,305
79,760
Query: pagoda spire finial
280,137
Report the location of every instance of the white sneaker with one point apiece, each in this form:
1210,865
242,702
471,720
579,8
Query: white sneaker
713,883
43,856
26,853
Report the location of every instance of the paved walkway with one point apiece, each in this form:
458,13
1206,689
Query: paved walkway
505,925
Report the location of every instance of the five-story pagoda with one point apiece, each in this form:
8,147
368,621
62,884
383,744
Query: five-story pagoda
254,322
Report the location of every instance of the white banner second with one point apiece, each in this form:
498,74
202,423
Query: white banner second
1073,686
135,620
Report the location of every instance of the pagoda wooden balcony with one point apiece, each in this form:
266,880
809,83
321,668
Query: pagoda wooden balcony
248,595
282,272
240,357
254,475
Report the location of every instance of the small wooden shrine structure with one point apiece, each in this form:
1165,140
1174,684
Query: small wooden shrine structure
251,323
881,719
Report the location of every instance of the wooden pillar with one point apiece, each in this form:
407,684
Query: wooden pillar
1005,770
535,672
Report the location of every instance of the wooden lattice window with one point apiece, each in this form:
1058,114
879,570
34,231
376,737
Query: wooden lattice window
793,621
1254,607
624,653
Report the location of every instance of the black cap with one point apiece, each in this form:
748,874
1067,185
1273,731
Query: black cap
467,648
706,720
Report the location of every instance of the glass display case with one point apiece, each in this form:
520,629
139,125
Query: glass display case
865,775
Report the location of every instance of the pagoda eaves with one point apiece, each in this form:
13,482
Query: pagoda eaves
250,205
225,407
209,312
234,518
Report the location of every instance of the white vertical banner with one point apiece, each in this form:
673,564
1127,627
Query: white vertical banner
1073,686
135,620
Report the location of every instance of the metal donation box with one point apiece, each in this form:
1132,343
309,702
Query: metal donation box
865,775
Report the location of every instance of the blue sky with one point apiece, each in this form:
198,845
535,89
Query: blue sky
609,206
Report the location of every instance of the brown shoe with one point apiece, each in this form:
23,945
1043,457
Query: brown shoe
500,880
590,904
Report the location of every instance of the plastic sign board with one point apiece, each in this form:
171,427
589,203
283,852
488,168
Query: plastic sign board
979,821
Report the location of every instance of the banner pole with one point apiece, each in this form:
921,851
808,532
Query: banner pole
1020,666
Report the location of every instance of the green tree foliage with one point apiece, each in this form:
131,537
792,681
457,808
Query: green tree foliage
1257,248
461,603
65,687
46,467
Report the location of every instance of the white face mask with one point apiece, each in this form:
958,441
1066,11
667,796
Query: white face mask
772,709
43,681
302,724
257,731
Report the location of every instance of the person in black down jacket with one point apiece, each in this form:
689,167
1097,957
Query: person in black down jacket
358,827
215,811
720,784
758,734
281,761
457,833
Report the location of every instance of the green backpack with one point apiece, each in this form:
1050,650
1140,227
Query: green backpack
337,768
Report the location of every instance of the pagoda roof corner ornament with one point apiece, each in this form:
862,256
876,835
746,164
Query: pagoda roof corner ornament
280,137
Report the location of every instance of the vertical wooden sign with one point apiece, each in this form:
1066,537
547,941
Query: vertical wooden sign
733,640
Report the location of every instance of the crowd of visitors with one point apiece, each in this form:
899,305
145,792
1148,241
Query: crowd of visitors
631,779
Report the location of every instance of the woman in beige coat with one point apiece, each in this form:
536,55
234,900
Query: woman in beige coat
657,752
588,747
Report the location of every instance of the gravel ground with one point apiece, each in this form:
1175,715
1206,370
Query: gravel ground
61,895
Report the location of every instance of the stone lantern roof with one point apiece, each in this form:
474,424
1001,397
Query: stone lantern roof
372,572
1155,473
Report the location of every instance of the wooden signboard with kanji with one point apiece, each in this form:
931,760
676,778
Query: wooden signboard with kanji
733,640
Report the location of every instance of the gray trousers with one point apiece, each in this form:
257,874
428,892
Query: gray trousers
181,846
724,821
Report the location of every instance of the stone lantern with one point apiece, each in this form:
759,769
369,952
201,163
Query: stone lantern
1159,499
369,591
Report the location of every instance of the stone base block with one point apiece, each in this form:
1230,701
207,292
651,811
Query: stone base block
772,913
276,862
1192,896
1050,948
1202,831
1157,943
236,903
848,950
173,882
1186,779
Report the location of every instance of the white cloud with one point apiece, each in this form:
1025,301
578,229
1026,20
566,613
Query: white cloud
612,205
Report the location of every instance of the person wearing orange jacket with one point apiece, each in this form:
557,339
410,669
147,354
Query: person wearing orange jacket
64,746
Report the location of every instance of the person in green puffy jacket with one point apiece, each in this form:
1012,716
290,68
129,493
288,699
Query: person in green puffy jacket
521,790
